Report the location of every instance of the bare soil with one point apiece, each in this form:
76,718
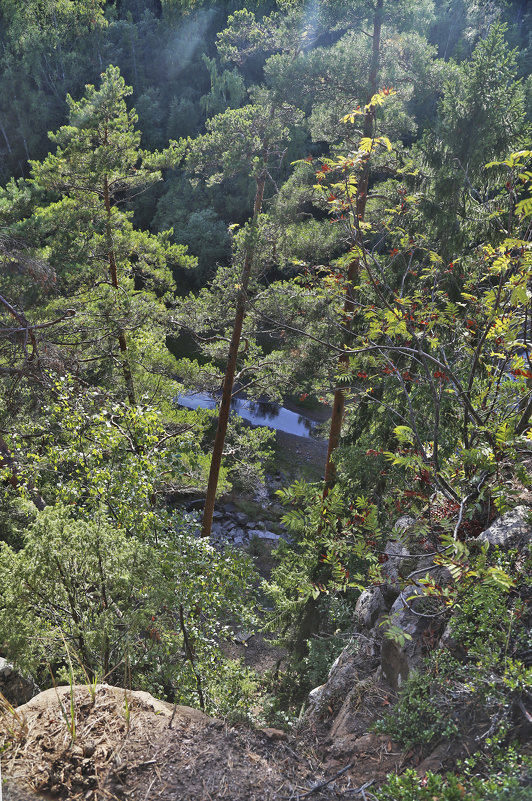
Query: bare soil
147,750
305,453
256,652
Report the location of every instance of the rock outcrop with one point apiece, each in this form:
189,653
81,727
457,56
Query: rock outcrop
374,663
400,656
16,688
510,530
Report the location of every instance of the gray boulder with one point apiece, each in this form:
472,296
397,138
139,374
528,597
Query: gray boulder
262,535
404,523
369,606
356,662
397,558
450,643
314,695
15,688
398,561
510,530
340,680
269,535
398,659
398,565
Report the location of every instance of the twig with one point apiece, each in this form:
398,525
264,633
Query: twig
466,500
324,784
523,709
190,656
173,715
149,788
360,790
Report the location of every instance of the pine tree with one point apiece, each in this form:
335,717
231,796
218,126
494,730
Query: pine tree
244,140
100,259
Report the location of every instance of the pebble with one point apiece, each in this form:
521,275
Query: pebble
233,527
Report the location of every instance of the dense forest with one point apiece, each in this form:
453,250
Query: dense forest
321,205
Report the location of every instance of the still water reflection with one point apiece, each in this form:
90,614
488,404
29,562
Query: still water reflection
256,412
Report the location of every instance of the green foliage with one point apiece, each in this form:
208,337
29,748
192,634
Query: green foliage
246,451
417,720
483,99
100,262
227,89
481,680
241,139
325,647
115,599
207,238
49,49
421,285
16,514
318,579
96,452
508,780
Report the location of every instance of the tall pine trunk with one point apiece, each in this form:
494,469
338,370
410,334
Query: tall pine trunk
230,369
113,274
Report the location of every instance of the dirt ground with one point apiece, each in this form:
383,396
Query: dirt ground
118,746
306,454
257,653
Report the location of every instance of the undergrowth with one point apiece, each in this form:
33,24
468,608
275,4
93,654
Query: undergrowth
509,779
476,690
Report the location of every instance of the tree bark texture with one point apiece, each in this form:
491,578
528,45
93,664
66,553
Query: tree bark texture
230,370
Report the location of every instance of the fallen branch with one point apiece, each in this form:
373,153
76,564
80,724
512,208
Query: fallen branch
360,790
321,785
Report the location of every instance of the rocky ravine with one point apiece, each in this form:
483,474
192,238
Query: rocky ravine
371,669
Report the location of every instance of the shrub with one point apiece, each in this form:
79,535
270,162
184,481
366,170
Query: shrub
508,780
120,606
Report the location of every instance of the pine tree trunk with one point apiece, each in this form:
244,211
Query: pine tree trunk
230,370
113,274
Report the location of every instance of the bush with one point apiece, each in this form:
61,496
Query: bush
417,718
120,607
509,780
